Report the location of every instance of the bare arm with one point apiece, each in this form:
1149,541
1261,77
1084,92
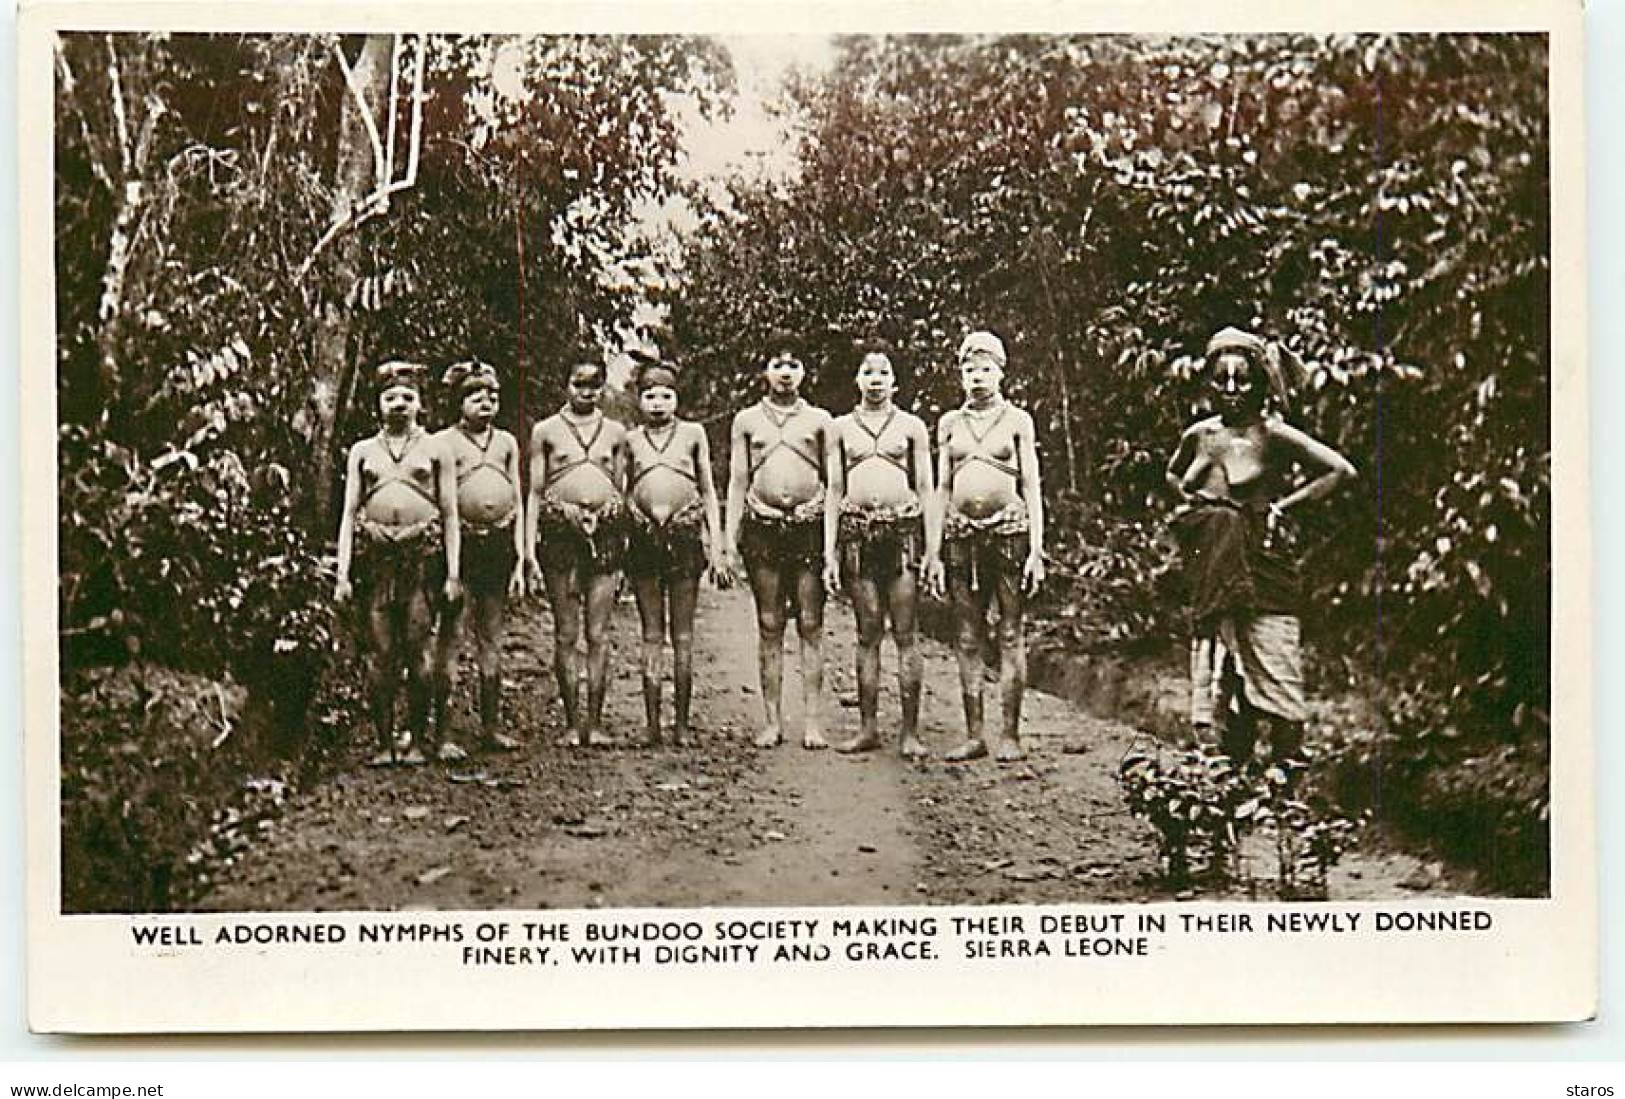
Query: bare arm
510,465
835,478
1337,468
919,449
445,465
352,500
1180,464
738,476
538,478
708,489
1031,489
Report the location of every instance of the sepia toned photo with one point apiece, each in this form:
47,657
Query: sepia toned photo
902,482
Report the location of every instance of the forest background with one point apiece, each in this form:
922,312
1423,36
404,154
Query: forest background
245,224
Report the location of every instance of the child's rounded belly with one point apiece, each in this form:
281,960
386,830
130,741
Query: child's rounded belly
479,503
980,491
662,494
784,481
871,486
398,506
585,488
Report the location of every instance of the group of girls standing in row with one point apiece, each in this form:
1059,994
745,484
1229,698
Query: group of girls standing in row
437,532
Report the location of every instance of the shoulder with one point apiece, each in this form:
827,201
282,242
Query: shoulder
821,416
910,422
1277,428
615,429
1021,416
745,418
946,424
361,448
505,438
1203,427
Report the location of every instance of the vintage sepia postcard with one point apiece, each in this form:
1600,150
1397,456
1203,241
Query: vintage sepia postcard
705,515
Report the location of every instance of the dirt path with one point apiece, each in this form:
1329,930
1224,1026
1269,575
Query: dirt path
720,823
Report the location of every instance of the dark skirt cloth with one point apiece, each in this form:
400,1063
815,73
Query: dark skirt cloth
393,565
488,557
571,538
671,550
788,544
1232,568
880,545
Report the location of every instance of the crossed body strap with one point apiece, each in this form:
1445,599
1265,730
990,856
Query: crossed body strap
874,453
642,467
485,461
780,442
563,469
394,476
978,448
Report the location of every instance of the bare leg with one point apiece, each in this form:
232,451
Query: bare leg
810,628
870,613
903,601
417,648
564,594
601,592
489,611
684,593
384,674
652,612
970,613
443,675
1012,667
764,586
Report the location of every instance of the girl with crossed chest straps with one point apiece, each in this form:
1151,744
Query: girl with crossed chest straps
575,539
887,526
489,507
780,462
399,517
992,536
674,531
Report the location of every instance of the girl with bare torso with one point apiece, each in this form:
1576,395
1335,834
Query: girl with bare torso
575,538
780,461
674,531
882,489
399,518
992,537
1232,470
489,507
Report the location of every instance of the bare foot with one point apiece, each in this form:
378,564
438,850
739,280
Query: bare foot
412,757
813,740
597,738
863,742
912,748
451,752
1010,750
572,738
651,737
770,737
681,736
496,742
385,758
971,749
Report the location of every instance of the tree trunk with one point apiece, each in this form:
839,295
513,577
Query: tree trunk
354,178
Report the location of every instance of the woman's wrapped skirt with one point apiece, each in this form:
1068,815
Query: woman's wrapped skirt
1244,595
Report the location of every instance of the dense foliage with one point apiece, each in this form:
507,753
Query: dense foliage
1380,203
226,274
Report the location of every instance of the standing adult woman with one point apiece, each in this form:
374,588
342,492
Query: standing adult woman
1234,470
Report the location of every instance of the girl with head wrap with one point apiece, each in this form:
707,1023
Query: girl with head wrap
674,532
1233,471
486,460
399,550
